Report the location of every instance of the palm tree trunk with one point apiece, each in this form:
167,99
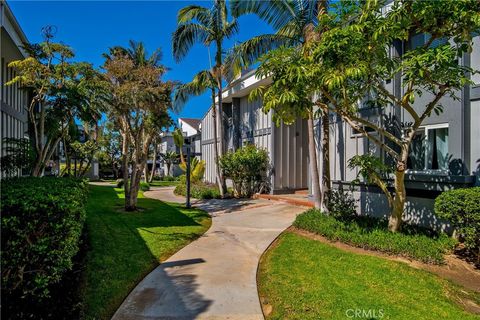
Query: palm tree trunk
312,150
216,147
326,182
221,144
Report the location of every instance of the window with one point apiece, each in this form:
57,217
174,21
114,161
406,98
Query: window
429,149
421,39
356,133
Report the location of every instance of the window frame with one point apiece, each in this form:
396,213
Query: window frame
425,129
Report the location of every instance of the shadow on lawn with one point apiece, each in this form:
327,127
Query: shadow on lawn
126,246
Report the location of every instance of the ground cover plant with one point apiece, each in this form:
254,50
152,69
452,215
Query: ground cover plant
126,246
371,233
301,278
42,222
198,190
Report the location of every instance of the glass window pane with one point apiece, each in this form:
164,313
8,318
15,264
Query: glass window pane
437,153
416,159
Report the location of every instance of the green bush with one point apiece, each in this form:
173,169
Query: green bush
341,204
248,168
462,208
42,221
199,190
119,183
370,233
144,186
168,178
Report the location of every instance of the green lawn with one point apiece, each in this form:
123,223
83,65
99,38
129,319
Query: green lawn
124,247
156,183
306,279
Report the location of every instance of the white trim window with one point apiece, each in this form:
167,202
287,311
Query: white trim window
429,150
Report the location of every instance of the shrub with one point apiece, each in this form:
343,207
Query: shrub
341,204
42,221
168,178
144,186
371,233
119,183
198,190
462,208
248,168
197,169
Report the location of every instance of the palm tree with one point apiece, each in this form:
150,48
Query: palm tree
202,81
170,158
295,22
197,24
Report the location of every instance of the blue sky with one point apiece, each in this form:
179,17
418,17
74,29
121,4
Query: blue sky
91,27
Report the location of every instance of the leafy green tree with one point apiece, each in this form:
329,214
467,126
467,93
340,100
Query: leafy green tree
197,24
110,152
202,81
294,23
353,62
60,90
139,105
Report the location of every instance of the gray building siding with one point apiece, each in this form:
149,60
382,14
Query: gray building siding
461,117
14,101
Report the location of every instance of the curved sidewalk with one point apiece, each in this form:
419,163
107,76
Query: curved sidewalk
213,277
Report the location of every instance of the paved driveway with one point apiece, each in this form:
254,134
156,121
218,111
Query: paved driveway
213,277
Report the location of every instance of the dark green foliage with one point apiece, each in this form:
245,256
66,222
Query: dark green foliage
462,208
144,186
42,221
199,190
248,168
341,204
168,178
371,233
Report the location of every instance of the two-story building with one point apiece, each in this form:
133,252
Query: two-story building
14,101
444,155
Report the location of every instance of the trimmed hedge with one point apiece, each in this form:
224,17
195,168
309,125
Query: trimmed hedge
42,221
370,233
462,208
198,190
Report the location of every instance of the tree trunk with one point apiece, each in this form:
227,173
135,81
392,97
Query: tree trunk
154,165
145,174
316,192
37,168
216,147
221,144
168,168
395,220
126,187
326,183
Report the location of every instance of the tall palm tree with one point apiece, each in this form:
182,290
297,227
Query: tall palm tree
197,24
295,22
201,82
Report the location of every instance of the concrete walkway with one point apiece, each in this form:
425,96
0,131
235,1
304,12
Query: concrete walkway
213,277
